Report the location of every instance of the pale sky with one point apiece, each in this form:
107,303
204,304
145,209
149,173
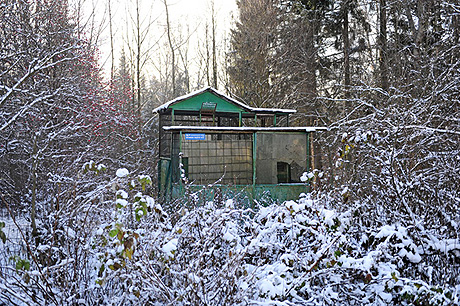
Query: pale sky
185,16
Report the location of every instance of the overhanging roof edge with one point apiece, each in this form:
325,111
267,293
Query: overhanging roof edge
245,129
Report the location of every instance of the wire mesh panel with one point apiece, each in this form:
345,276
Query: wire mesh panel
165,136
225,158
189,120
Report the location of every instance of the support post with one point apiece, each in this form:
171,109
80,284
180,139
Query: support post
308,160
181,184
159,177
254,166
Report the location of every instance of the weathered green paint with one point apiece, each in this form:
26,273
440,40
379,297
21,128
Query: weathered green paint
254,158
195,103
308,160
308,153
245,194
159,176
280,192
164,177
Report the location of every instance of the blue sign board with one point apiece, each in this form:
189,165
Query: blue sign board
195,136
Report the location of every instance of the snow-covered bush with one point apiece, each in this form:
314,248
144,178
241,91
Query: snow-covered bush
299,252
119,247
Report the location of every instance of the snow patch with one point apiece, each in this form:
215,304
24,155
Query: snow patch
328,216
122,194
122,172
170,248
121,202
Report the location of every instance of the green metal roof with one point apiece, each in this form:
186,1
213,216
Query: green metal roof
224,104
195,103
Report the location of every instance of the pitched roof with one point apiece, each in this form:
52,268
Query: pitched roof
224,97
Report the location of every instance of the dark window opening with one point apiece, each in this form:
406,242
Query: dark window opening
283,172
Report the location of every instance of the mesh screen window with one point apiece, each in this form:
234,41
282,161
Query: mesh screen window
222,158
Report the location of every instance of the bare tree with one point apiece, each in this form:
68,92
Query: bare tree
112,55
172,50
346,49
214,46
383,62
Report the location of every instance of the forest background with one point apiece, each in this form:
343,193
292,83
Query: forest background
383,76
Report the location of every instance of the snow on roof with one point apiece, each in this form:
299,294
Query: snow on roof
184,97
224,96
245,128
273,110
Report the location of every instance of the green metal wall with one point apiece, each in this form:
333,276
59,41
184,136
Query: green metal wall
243,194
